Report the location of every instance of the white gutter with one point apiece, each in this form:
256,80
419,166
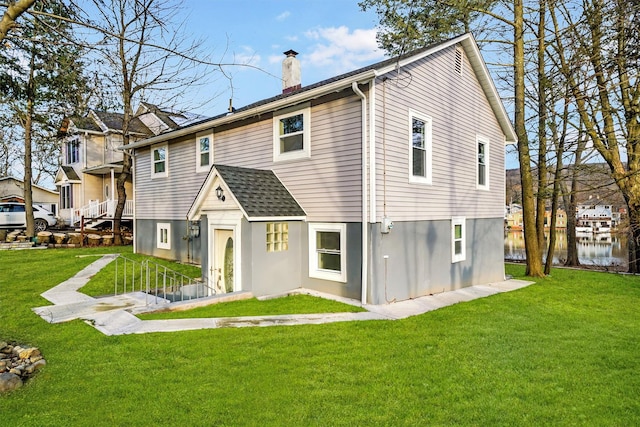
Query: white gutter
365,228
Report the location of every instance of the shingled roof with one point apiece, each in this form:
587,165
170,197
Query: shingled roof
259,192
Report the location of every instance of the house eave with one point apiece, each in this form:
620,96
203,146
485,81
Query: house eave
261,109
276,218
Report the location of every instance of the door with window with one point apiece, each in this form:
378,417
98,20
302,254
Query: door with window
222,271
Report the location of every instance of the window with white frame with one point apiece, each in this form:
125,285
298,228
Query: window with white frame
277,236
482,167
458,239
291,135
204,151
163,239
159,161
328,251
419,148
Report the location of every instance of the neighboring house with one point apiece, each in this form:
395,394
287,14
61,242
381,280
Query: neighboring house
561,219
513,217
91,161
595,218
382,184
12,190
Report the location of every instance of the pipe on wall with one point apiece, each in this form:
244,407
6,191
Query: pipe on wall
365,234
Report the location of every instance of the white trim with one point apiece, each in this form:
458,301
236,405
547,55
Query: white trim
428,122
484,141
314,270
305,152
458,220
275,218
163,235
164,174
199,136
372,151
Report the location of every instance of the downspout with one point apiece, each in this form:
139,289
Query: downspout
365,228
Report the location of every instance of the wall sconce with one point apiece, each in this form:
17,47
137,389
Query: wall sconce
220,193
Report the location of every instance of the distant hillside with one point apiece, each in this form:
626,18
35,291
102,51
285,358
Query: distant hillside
594,182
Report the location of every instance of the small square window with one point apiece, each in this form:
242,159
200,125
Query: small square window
163,237
277,236
159,161
291,135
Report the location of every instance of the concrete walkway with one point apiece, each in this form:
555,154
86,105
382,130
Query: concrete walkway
114,315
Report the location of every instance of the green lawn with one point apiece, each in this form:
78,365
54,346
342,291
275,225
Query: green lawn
564,351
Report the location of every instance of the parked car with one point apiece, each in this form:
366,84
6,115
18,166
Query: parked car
12,215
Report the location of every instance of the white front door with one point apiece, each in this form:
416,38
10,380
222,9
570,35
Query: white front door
223,261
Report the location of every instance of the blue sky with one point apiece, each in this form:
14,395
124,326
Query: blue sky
331,37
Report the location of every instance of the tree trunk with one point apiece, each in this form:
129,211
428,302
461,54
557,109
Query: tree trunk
122,198
532,249
28,127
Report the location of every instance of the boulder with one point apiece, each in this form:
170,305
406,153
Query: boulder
44,236
94,239
59,238
9,382
75,238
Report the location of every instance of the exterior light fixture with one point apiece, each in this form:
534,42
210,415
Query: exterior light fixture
220,193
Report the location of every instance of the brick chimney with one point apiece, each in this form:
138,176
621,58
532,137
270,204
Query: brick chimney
290,72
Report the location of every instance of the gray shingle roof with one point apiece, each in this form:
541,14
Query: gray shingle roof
70,173
259,192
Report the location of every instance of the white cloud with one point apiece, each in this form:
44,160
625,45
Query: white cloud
247,56
339,49
284,15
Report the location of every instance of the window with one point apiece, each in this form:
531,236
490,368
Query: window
66,199
163,236
327,251
419,148
72,152
482,170
277,236
159,161
204,148
457,239
291,135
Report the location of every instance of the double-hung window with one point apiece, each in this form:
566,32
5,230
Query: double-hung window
66,197
419,148
159,161
458,239
328,251
72,149
204,151
291,135
482,166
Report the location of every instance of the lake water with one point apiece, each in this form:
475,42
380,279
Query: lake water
595,249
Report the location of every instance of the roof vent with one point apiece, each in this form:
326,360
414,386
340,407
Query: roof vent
291,72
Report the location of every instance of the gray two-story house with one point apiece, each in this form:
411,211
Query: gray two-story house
382,184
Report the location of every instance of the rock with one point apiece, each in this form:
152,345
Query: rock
9,382
74,238
39,364
59,238
44,236
28,353
93,239
107,239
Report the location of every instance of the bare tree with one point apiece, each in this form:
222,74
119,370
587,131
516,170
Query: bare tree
145,56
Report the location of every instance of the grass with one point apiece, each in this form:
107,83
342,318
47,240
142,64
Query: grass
564,351
294,304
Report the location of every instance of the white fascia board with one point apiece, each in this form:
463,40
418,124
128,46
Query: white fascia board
276,218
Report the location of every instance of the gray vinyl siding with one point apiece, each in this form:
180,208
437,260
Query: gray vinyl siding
460,112
168,197
327,185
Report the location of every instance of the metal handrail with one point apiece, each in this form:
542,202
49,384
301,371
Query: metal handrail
158,281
